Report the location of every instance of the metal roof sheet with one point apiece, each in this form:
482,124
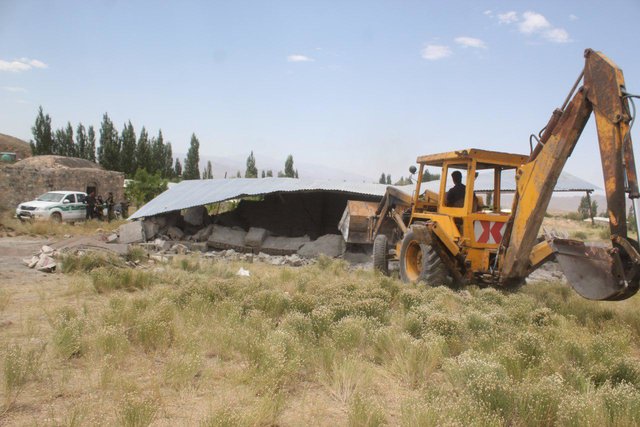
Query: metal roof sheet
192,193
187,194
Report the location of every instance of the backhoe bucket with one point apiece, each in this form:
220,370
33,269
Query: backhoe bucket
596,273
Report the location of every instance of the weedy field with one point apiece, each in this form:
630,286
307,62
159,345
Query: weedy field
191,343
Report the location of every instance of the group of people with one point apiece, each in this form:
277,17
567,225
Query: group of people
96,205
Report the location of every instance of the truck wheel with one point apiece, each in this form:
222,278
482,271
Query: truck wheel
419,262
380,254
56,217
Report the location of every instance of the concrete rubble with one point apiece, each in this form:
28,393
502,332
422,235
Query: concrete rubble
197,231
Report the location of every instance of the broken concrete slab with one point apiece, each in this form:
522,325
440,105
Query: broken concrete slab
204,234
45,264
331,245
151,229
276,245
255,237
227,238
195,215
131,232
90,243
175,233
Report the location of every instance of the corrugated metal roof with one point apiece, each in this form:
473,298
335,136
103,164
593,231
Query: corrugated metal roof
187,194
192,193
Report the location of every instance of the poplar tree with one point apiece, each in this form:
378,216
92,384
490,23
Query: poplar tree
168,161
109,149
91,145
177,169
142,150
289,172
128,152
81,142
252,170
383,179
157,154
42,139
208,172
191,170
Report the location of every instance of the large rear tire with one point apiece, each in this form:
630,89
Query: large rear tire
380,254
419,262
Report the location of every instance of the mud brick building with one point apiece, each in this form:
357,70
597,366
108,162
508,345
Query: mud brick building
33,176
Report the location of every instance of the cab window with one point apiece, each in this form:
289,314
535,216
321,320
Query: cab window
80,197
70,198
455,186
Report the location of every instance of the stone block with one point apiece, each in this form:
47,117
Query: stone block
195,215
131,232
226,238
175,233
275,245
331,245
150,229
203,234
255,237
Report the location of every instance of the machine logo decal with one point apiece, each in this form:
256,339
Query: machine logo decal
488,231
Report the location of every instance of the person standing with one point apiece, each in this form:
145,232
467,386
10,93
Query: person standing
110,205
91,205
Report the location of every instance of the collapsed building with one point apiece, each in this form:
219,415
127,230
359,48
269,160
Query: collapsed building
277,216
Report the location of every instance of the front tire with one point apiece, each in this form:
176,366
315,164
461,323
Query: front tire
380,254
56,217
419,262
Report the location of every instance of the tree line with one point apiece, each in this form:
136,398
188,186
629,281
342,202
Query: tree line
124,151
426,177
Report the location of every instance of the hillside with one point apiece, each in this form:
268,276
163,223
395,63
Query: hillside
14,145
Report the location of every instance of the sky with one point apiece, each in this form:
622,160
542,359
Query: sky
361,86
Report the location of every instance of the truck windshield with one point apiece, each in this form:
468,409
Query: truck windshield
50,197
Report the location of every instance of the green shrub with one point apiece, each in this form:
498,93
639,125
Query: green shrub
136,411
89,261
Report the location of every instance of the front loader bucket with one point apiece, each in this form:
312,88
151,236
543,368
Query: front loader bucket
596,273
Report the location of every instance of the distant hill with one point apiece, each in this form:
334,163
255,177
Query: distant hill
15,145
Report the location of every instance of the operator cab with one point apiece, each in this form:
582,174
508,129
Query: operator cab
479,173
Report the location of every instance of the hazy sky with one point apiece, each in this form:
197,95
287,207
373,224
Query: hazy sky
364,86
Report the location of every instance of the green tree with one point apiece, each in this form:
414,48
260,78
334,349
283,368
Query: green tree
143,151
383,179
81,142
238,174
145,187
157,154
109,149
91,145
270,173
42,139
168,161
428,176
252,170
63,142
263,174
208,172
388,179
128,153
177,169
583,208
191,170
289,172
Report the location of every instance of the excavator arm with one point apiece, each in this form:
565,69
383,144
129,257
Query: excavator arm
596,273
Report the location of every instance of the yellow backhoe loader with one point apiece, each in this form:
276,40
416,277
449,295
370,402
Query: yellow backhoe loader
450,236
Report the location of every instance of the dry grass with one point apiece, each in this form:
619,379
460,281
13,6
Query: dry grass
191,343
10,225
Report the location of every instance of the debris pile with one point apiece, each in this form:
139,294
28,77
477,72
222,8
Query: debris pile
195,230
43,261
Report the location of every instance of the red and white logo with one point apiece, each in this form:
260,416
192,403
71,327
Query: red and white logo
488,231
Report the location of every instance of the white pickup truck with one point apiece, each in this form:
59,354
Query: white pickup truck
55,205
